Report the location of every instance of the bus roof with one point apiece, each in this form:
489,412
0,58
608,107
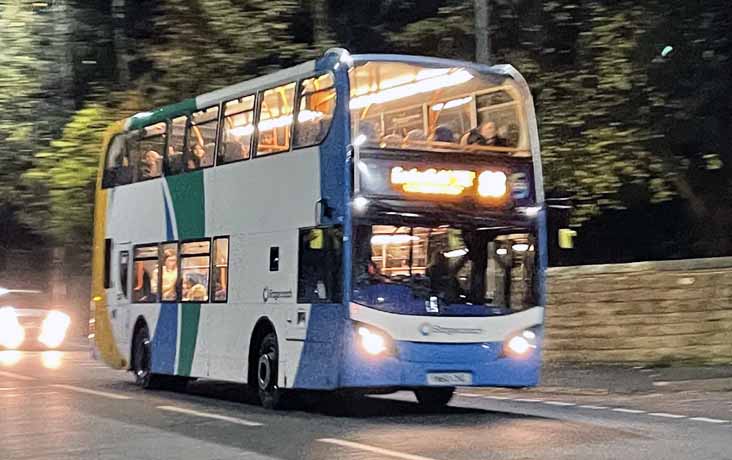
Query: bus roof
279,77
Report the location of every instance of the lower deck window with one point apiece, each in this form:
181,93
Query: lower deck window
144,288
220,273
195,265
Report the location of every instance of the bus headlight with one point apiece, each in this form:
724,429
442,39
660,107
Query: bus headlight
53,330
521,344
372,340
492,184
12,333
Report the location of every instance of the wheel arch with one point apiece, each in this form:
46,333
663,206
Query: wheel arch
263,327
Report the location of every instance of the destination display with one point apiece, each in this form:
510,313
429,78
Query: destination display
491,185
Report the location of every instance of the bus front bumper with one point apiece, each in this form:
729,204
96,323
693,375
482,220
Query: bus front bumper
413,364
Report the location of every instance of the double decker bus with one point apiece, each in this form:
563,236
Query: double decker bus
364,222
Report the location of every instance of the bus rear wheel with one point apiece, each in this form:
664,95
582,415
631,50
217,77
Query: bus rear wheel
270,395
434,398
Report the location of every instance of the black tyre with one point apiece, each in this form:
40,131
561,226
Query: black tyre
267,372
434,398
142,366
142,360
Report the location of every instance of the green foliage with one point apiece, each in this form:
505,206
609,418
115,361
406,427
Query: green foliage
207,44
21,71
621,125
63,177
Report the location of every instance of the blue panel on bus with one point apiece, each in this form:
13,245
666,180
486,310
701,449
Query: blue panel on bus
333,166
165,340
414,361
448,353
318,367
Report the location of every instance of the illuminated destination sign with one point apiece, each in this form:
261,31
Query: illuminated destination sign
433,181
491,184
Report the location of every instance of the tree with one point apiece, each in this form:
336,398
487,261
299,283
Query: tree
22,73
482,11
60,197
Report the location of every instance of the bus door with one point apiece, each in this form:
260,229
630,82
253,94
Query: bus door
319,283
119,292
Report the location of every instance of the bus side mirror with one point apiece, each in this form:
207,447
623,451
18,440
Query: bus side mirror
566,238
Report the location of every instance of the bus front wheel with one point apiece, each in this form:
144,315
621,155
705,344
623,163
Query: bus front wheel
434,398
142,360
270,395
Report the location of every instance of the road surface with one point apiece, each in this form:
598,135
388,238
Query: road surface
64,406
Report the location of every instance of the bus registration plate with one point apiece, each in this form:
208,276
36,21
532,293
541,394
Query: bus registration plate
450,378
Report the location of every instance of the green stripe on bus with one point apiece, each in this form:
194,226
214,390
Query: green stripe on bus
190,316
188,196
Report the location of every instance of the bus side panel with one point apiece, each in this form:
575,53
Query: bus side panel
260,204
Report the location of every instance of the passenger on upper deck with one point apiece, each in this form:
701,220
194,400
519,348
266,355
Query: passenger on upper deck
391,140
150,164
486,135
442,134
174,161
195,157
415,136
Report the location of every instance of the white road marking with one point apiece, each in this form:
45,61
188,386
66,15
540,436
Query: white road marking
20,395
373,449
527,400
469,395
628,411
238,421
499,398
665,415
559,403
16,376
593,407
708,420
93,392
9,389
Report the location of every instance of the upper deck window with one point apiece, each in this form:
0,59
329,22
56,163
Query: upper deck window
275,120
201,142
176,146
147,151
117,170
399,105
317,103
237,131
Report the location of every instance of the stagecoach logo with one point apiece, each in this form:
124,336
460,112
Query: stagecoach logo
426,329
268,293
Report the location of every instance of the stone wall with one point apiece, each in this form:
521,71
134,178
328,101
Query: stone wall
641,313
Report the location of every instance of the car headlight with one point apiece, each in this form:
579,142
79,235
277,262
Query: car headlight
520,344
373,341
53,329
12,333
